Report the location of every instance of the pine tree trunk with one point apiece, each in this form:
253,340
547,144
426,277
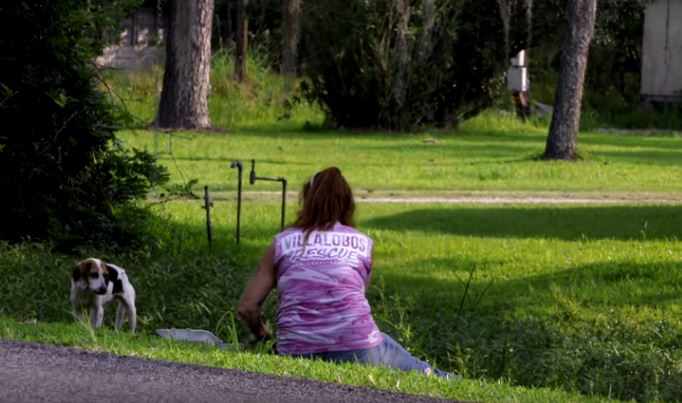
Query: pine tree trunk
184,97
401,54
242,40
291,25
563,132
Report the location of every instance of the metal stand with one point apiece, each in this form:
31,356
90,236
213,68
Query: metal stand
238,165
207,205
253,178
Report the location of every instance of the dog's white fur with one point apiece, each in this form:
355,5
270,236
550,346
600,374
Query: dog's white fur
94,284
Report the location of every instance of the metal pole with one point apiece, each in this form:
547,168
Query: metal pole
238,165
253,178
207,206
252,174
284,200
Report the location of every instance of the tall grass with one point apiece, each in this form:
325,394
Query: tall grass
262,101
576,297
583,298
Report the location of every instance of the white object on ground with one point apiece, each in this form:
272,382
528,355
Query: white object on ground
194,335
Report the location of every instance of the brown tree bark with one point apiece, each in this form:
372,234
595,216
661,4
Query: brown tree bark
402,53
184,97
242,39
291,27
562,139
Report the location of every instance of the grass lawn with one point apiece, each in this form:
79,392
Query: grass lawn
81,336
488,153
580,297
585,299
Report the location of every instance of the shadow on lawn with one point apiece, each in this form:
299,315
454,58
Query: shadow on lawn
574,223
598,287
572,328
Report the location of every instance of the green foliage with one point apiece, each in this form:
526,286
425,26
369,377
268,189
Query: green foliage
260,101
63,172
444,62
612,88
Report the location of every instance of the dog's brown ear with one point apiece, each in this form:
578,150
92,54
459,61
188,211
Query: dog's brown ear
105,270
76,272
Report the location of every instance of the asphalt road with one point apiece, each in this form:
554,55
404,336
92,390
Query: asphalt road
43,373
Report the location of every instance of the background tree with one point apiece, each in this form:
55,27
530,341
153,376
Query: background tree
291,26
563,132
186,78
64,176
404,64
242,40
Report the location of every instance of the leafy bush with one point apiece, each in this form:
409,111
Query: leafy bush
403,64
64,175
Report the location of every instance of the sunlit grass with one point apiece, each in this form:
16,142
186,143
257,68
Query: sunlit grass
261,101
580,297
490,153
105,340
588,294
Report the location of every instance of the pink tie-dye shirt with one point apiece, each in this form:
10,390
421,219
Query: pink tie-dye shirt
321,287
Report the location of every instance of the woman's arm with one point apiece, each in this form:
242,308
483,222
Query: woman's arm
370,269
255,293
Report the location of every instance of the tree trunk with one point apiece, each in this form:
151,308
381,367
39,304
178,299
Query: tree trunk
563,132
184,97
402,53
242,40
291,26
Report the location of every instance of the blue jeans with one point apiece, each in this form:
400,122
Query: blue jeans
389,353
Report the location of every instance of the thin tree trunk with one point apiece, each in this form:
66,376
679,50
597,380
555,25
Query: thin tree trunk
291,25
184,97
562,139
426,39
401,53
242,39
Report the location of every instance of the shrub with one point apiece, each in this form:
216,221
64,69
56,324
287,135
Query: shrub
63,174
404,64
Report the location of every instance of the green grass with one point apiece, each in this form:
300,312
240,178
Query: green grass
261,101
584,298
105,340
489,153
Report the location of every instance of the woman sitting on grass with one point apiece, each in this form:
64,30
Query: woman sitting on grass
321,267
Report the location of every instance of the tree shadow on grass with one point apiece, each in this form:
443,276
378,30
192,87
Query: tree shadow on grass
568,223
663,157
574,328
598,286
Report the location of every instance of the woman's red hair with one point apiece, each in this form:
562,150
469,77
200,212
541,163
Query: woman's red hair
325,199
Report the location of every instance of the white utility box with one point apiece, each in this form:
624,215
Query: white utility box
517,79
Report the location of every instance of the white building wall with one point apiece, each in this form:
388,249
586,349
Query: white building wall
662,51
138,46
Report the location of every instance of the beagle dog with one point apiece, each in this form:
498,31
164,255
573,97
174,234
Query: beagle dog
95,284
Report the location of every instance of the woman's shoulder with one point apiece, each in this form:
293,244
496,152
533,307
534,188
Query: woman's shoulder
338,227
288,231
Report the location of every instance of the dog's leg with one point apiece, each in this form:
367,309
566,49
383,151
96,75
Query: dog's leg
120,315
98,314
132,317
